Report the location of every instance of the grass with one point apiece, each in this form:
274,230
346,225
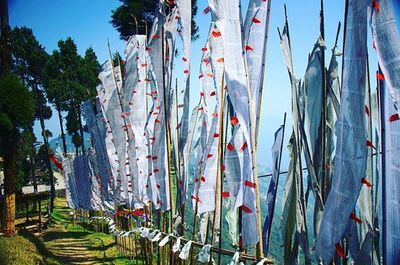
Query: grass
62,243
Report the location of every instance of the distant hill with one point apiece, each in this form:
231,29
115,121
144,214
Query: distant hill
57,142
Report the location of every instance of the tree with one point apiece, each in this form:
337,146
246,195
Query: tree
136,17
28,59
17,109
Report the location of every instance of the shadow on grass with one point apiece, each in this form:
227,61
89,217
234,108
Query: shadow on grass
54,235
43,251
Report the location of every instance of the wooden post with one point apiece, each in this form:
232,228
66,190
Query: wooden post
40,215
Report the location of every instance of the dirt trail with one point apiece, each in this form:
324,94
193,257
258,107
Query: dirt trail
70,247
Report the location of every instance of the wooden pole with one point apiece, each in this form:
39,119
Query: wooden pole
219,182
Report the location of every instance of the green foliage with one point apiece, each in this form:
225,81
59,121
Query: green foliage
25,158
28,59
16,108
136,17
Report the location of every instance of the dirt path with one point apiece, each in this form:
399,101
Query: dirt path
71,247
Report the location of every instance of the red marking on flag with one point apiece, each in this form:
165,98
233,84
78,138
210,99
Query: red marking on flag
246,209
177,17
244,146
147,80
373,45
196,198
201,94
369,144
156,170
210,155
212,94
184,59
256,20
375,4
250,184
148,49
230,147
186,71
55,161
158,186
221,60
234,120
339,250
248,48
144,64
223,168
225,194
167,58
154,158
210,75
180,105
394,117
200,109
155,36
203,179
157,121
181,184
158,107
216,135
206,61
355,218
204,49
148,157
206,10
215,114
178,126
216,34
380,76
366,182
366,110
152,138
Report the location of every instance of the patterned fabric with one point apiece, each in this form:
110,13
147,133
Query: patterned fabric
351,149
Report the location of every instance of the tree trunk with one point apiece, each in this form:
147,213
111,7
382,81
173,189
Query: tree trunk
9,187
81,127
48,163
5,45
62,128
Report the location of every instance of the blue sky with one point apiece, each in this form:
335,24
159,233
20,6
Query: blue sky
87,22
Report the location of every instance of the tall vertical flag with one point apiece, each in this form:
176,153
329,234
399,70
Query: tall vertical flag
185,19
391,181
386,37
273,186
351,149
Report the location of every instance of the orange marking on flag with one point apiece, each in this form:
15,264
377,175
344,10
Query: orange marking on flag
234,120
380,76
366,182
221,60
216,34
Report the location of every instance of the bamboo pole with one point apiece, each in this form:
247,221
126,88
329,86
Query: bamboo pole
258,113
219,182
222,146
